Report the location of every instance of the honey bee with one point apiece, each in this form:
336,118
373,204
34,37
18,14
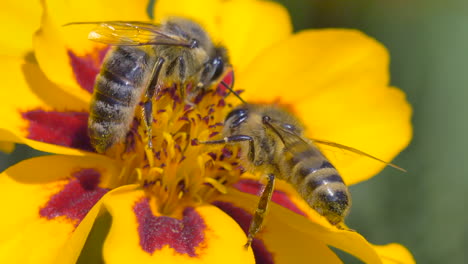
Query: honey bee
275,145
146,56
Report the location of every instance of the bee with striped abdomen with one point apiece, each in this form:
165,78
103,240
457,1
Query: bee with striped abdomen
146,56
272,141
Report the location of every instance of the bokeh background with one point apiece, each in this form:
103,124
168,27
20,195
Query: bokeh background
425,209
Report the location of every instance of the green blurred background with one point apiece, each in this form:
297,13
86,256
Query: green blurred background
426,208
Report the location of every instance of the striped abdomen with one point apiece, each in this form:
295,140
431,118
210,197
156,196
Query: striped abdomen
117,91
317,181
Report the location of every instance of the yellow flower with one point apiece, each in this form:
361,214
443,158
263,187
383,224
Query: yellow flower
189,202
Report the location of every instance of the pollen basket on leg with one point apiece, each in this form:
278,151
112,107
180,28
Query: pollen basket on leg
177,171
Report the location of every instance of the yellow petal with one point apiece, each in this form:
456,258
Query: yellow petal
279,219
312,62
204,235
18,21
339,81
247,28
261,24
376,121
31,96
394,254
7,147
55,45
50,208
204,12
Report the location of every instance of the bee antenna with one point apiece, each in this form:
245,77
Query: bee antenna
231,90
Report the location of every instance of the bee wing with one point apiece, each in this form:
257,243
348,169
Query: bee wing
288,137
357,151
131,33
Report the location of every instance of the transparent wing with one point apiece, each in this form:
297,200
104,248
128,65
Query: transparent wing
131,33
289,138
357,151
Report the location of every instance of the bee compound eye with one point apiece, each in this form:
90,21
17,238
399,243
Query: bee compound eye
218,65
239,112
237,116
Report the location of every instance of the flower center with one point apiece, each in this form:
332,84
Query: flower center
178,171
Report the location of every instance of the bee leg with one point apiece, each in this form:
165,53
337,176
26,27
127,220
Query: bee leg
342,226
182,90
182,76
206,74
261,210
236,138
148,100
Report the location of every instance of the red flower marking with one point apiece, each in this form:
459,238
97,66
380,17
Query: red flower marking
68,129
227,79
243,218
76,198
87,67
183,235
254,187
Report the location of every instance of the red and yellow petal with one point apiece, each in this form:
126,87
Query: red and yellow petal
377,122
36,111
292,247
245,27
52,202
283,228
287,197
202,235
284,195
312,62
63,51
18,21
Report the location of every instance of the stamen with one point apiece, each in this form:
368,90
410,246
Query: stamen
139,174
218,186
178,171
170,145
149,156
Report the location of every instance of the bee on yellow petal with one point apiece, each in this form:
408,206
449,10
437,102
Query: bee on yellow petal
145,57
274,144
